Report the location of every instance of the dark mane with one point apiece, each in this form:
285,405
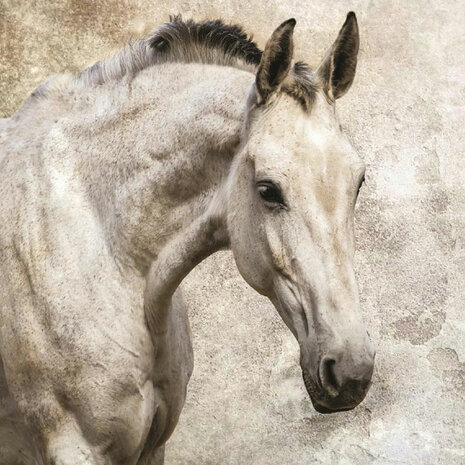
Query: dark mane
211,42
192,41
180,36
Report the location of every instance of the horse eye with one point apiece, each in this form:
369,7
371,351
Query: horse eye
270,193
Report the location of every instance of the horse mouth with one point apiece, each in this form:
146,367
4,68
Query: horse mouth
325,410
316,393
321,399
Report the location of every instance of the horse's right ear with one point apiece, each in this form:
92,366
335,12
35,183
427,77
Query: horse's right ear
276,61
337,70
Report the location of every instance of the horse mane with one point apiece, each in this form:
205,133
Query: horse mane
205,42
210,42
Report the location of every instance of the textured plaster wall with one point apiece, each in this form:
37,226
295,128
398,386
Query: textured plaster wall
406,116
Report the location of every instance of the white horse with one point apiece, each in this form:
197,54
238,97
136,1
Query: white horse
117,182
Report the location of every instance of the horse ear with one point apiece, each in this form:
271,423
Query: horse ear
337,70
276,60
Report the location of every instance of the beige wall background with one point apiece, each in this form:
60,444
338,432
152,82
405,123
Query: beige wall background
405,114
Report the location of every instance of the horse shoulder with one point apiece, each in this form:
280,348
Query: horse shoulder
67,308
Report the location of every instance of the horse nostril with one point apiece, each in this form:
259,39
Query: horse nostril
328,377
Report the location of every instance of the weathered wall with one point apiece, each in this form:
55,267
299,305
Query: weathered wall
406,116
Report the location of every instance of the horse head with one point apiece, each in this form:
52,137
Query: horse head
290,213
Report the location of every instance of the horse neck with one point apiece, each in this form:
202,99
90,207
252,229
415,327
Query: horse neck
177,127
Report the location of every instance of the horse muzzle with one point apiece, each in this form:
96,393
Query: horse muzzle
338,385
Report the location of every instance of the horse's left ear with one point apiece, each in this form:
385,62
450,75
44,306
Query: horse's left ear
337,70
276,60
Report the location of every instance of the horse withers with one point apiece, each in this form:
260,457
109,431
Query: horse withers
115,183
